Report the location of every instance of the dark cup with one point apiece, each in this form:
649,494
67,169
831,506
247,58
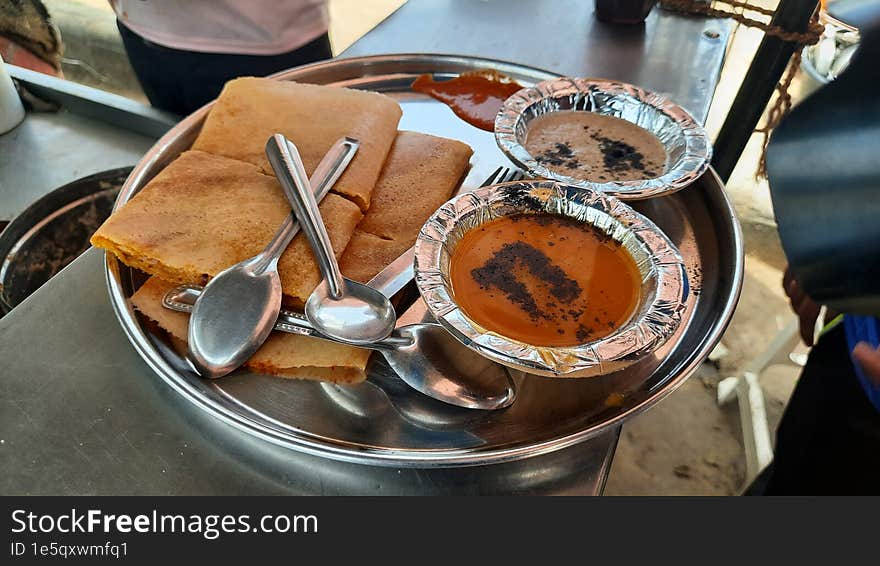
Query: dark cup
623,11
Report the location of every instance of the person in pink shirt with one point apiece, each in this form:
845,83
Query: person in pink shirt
183,51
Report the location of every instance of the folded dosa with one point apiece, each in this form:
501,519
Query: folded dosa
204,212
250,110
285,355
404,199
420,174
367,255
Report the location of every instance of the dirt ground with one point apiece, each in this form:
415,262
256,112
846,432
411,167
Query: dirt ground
687,444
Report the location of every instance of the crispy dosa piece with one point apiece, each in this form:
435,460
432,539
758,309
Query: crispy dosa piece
285,355
367,255
204,212
421,173
250,110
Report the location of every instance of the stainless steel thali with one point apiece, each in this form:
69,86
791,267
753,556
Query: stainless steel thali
380,422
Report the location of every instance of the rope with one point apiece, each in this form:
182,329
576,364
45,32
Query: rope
782,104
696,7
778,111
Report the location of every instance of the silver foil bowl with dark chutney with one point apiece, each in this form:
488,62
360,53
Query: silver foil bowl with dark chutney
663,292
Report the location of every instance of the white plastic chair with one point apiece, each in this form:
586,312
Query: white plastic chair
747,389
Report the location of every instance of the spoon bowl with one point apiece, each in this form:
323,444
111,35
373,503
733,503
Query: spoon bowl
256,294
361,315
382,392
431,355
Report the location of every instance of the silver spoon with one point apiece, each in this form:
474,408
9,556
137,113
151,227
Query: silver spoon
381,392
424,355
340,308
237,309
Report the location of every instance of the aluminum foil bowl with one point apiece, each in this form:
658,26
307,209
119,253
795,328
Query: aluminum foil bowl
687,146
664,287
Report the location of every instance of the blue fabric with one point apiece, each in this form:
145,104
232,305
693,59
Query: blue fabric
864,329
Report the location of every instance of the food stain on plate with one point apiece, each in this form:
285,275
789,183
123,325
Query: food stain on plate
595,147
475,97
544,280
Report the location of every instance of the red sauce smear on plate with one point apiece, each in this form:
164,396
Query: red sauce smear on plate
475,97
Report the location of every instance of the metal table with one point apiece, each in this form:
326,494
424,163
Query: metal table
677,56
95,131
81,413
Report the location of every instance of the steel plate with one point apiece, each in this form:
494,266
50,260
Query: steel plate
380,423
52,232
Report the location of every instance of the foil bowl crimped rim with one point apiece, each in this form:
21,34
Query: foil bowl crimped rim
682,136
655,320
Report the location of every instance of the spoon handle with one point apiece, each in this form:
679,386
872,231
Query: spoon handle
182,299
325,175
395,276
295,182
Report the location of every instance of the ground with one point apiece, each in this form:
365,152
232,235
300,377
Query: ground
687,444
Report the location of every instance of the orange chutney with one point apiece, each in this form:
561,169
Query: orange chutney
545,280
475,97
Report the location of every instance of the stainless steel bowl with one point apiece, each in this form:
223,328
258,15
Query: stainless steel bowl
664,288
687,145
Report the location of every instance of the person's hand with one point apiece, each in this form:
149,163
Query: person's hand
802,305
869,359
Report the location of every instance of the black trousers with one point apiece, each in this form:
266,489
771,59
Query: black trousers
828,441
182,81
